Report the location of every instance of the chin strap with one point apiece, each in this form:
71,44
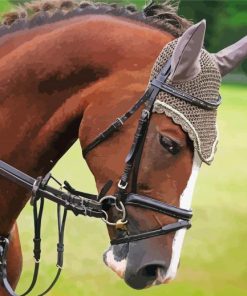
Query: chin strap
157,232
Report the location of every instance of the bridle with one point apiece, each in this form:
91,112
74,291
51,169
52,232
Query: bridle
133,159
81,203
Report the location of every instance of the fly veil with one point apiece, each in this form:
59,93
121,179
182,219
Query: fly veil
196,72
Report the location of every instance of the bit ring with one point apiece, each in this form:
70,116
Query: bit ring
122,210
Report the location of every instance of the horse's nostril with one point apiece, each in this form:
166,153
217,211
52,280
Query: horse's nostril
150,270
144,277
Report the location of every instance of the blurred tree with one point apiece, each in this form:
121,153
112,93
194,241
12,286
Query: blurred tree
16,2
203,9
226,21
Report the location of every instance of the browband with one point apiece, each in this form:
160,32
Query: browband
184,96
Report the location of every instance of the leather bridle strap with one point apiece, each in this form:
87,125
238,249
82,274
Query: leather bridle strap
168,88
157,232
37,218
133,158
141,129
60,247
4,244
74,203
37,215
158,206
73,191
116,125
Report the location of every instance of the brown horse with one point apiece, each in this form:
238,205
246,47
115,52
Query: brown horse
68,73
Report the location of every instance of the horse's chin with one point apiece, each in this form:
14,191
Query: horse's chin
115,257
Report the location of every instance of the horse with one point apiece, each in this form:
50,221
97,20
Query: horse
63,78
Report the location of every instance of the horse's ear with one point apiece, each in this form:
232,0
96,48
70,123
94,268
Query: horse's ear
185,61
228,58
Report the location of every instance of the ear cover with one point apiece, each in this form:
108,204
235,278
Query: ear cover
185,61
229,58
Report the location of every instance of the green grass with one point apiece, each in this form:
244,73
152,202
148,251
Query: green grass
214,258
5,5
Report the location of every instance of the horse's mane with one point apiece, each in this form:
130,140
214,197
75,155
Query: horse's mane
160,15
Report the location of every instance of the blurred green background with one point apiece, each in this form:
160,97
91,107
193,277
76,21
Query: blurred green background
214,260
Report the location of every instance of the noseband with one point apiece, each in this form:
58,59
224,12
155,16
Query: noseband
81,203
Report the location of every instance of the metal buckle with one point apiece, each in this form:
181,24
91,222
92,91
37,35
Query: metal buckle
145,113
118,123
59,267
36,261
35,189
120,120
4,241
4,244
124,186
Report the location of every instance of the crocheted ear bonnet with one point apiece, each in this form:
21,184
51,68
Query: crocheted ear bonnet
198,73
200,124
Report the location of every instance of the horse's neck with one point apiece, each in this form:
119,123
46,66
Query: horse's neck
10,42
48,83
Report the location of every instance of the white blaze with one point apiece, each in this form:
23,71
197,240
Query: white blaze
185,203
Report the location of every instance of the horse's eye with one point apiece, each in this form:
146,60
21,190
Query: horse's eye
170,145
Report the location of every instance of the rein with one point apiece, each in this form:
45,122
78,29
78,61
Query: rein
97,206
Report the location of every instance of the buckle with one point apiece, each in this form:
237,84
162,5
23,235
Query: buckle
118,123
122,185
4,241
120,120
4,244
145,114
35,190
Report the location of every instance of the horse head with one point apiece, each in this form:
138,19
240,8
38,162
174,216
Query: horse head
180,136
51,89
